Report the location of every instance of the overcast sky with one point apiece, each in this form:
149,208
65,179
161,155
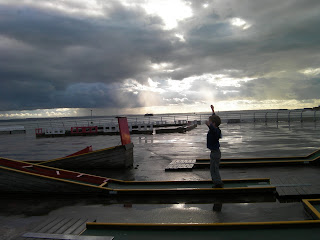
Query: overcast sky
64,57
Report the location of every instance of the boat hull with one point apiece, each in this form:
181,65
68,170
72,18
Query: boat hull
20,183
109,158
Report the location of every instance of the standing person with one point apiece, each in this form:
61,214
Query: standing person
213,136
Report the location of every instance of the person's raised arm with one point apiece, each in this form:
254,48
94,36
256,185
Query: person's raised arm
212,108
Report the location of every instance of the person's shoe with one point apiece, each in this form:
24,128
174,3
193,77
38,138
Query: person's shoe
218,185
217,207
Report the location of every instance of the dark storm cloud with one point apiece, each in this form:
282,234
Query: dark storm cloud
85,95
278,32
53,51
281,37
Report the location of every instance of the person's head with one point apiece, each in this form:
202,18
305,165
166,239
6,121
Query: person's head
215,119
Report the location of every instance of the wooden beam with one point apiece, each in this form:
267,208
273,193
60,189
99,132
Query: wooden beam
64,237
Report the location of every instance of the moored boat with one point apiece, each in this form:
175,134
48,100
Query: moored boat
120,156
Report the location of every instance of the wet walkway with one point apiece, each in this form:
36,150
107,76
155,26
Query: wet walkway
152,154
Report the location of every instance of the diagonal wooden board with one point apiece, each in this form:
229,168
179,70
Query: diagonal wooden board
64,236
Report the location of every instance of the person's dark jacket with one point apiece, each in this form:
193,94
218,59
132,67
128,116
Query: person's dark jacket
213,136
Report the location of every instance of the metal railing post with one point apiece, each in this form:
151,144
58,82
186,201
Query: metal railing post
301,120
265,117
254,117
277,116
289,116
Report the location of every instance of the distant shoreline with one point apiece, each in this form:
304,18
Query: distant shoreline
155,115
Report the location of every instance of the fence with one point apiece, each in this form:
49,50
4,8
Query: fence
273,116
227,117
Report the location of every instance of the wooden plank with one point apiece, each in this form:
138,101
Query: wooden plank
300,189
313,190
309,190
83,226
55,228
276,181
69,224
48,226
51,225
42,225
79,224
296,187
288,191
64,236
56,225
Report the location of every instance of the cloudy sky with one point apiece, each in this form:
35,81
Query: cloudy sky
64,57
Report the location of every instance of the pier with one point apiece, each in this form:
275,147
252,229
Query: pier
272,203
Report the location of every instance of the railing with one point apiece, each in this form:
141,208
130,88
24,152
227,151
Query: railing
261,116
268,116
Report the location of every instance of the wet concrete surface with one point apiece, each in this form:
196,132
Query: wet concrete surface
152,153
